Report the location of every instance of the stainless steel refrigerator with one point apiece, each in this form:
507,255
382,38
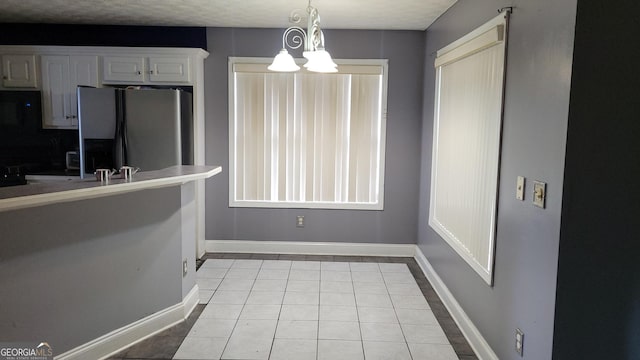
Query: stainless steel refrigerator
147,128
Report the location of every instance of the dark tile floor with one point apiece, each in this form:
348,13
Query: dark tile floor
165,344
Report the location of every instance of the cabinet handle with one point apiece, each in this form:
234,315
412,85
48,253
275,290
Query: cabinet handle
73,116
68,117
5,77
139,72
151,72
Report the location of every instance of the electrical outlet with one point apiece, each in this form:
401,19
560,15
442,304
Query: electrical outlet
300,221
519,342
185,268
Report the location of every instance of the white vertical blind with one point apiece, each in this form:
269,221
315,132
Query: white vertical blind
306,139
466,150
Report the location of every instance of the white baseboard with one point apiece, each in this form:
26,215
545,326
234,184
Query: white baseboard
190,301
469,330
133,333
310,248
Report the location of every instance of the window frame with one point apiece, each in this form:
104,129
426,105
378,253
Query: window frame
490,34
376,206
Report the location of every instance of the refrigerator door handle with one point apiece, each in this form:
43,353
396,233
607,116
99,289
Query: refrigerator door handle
123,133
120,144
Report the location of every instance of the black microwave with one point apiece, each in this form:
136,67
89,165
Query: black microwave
20,111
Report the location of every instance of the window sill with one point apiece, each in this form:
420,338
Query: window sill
307,205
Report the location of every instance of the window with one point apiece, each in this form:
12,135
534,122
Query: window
307,140
466,143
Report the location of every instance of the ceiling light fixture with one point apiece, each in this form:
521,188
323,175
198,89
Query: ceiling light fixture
318,59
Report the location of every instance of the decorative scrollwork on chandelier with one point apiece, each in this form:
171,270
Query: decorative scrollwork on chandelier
318,58
315,37
294,37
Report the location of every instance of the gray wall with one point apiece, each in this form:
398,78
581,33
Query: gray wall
398,222
188,218
72,272
534,136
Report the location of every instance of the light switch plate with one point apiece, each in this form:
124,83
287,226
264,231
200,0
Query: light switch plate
539,193
520,188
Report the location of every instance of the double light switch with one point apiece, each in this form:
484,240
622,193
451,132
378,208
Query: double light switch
539,193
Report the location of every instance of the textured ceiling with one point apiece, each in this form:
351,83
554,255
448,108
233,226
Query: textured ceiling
336,14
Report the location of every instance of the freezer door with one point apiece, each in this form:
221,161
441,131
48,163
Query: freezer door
96,128
153,130
97,113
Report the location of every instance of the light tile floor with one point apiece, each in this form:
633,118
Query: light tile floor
270,306
317,310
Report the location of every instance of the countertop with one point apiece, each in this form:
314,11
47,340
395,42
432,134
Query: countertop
43,192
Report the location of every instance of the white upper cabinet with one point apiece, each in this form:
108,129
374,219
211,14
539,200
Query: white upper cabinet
61,75
55,86
169,69
146,70
58,70
124,69
19,71
83,71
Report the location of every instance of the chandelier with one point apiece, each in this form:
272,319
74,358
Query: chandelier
318,59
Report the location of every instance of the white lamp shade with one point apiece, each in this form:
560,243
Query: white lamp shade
283,62
320,61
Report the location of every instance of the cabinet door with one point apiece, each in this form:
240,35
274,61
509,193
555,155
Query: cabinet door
83,71
169,69
19,71
124,70
55,87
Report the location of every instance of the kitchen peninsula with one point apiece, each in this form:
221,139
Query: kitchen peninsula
48,192
91,268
